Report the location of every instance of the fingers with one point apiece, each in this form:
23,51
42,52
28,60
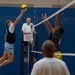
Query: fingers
23,10
44,16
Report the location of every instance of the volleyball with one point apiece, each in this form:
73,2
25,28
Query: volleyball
24,6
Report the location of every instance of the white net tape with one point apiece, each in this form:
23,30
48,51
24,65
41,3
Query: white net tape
72,2
64,54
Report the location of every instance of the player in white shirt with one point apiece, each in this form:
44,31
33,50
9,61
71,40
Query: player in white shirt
26,29
49,65
10,39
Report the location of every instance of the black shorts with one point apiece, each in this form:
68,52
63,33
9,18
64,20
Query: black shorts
25,43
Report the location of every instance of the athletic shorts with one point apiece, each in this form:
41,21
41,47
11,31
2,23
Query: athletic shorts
59,56
25,43
8,48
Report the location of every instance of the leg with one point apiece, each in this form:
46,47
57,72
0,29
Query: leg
25,45
25,50
9,53
9,60
3,57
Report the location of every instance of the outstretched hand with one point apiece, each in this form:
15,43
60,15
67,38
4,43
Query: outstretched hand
59,15
44,16
23,11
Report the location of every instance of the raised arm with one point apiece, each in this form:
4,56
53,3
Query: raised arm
47,24
50,26
58,19
19,17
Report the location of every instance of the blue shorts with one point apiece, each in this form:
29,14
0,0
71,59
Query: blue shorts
9,48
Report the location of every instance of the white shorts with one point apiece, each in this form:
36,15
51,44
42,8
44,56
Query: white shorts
9,48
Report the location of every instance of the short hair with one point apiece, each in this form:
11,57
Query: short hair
6,23
28,18
48,47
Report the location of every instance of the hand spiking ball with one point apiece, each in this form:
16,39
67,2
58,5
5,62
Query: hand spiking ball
24,6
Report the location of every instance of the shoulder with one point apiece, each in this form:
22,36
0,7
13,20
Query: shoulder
11,26
31,24
61,62
24,23
39,63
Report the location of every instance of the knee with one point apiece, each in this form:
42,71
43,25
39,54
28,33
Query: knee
10,60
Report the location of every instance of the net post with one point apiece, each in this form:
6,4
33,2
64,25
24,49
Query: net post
22,60
30,54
